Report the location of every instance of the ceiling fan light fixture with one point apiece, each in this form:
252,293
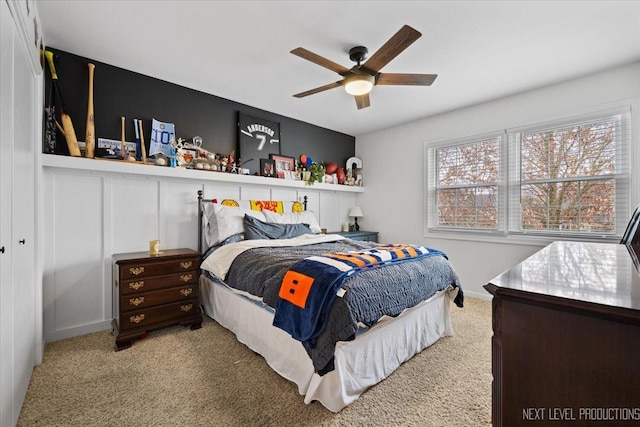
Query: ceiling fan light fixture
358,84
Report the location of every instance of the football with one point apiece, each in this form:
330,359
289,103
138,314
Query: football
331,168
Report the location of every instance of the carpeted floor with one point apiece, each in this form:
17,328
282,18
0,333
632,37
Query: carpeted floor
207,378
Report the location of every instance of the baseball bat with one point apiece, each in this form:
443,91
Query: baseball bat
137,131
50,123
122,138
66,129
90,138
142,147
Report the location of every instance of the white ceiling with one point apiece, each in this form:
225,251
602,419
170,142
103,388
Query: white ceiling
239,50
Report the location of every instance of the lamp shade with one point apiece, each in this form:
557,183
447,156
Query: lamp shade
358,84
356,212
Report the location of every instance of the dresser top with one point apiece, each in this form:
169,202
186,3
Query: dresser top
600,273
164,254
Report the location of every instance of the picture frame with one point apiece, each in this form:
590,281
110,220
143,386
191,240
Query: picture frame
282,164
187,157
115,145
257,139
267,167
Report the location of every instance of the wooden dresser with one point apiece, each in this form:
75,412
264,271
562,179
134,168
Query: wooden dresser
566,338
154,291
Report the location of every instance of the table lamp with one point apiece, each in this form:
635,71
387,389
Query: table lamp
356,213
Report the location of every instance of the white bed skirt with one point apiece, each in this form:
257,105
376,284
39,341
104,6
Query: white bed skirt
359,364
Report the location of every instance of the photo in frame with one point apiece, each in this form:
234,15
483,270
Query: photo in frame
187,157
282,164
257,139
267,167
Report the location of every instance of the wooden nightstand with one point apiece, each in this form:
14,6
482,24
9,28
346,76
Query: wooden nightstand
368,236
154,291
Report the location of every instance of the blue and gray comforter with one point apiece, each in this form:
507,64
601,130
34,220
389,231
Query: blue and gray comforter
370,294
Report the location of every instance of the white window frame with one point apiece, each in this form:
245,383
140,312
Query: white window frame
433,185
621,176
509,226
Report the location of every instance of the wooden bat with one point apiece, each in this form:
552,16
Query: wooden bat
122,138
50,123
142,147
66,129
90,138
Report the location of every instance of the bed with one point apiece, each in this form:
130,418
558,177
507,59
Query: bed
373,317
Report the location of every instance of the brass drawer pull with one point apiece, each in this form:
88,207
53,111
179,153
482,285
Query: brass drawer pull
136,285
136,319
136,301
136,270
186,292
186,307
186,277
186,264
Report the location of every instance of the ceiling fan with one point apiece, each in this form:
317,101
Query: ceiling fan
360,79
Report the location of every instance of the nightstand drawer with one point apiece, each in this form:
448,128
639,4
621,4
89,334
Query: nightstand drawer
159,314
141,285
144,268
150,299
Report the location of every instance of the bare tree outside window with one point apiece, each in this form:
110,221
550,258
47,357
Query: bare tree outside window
468,178
568,178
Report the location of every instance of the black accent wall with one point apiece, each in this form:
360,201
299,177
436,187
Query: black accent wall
119,92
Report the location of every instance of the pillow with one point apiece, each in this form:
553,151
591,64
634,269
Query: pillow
257,229
304,217
221,222
233,239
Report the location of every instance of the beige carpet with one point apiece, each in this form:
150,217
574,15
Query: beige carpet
206,378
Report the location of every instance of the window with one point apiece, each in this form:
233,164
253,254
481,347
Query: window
569,178
467,185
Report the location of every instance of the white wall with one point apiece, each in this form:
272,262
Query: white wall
394,167
95,208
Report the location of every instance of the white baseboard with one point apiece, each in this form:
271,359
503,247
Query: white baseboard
479,295
77,330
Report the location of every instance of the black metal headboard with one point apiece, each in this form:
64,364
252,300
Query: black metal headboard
202,201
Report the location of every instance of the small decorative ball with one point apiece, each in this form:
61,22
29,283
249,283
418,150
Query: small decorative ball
303,159
160,161
207,166
199,166
131,159
309,161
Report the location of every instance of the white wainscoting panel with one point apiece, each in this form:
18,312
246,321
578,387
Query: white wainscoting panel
178,214
74,228
255,193
135,209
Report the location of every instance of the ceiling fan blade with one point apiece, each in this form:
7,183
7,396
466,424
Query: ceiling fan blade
406,79
392,48
318,89
362,101
317,59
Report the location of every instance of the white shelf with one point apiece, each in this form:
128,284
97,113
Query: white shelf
136,168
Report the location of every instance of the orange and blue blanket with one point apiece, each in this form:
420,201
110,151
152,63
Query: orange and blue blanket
310,286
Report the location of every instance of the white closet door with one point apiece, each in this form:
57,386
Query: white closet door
23,219
6,281
17,220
